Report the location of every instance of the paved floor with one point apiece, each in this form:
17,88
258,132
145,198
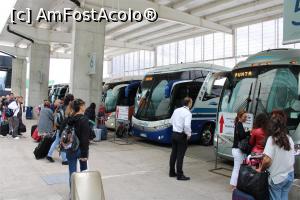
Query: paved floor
130,172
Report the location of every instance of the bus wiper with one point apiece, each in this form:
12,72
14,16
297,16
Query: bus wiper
257,99
249,99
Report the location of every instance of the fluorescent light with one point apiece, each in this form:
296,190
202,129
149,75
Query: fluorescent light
5,10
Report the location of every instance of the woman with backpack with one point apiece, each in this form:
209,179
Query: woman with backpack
79,125
238,155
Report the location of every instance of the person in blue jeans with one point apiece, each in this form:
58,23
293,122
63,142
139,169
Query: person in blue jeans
279,158
59,113
82,130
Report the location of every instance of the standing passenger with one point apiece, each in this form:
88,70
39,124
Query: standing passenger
238,155
45,125
14,120
259,133
279,159
82,131
181,122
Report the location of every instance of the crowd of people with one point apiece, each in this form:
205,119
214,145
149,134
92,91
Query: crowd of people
270,139
61,118
11,110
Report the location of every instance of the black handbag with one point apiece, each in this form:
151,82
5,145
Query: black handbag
253,183
244,146
22,128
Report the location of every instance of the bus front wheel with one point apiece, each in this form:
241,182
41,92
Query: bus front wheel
207,135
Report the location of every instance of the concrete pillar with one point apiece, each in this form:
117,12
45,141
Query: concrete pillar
39,60
18,80
87,48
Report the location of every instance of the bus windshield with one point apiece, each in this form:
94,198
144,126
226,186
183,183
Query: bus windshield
110,101
152,102
263,89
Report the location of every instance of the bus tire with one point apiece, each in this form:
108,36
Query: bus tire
120,132
207,135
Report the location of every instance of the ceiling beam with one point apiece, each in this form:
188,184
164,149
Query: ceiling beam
243,9
257,14
249,23
160,33
145,30
18,52
164,12
50,36
175,36
216,6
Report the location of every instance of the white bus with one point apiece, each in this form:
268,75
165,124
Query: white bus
163,89
266,81
114,94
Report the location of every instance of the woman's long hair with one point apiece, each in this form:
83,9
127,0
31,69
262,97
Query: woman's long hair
239,115
262,121
279,132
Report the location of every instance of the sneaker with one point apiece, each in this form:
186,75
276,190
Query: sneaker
50,159
64,163
16,138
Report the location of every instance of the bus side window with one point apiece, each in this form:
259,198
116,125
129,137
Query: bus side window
216,92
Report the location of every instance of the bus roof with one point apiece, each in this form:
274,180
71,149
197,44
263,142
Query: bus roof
123,79
271,57
186,67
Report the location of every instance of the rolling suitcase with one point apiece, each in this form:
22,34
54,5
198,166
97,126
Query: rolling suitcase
98,135
33,129
43,147
239,195
4,129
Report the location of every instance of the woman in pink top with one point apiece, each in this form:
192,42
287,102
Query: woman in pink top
259,133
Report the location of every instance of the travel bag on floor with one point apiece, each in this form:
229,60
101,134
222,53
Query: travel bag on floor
98,134
4,129
43,147
103,132
254,183
239,195
36,136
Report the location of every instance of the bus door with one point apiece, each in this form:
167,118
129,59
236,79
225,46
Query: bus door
182,89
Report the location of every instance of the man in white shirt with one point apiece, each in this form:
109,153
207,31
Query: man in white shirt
181,122
14,120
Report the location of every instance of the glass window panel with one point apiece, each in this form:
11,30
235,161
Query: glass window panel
142,59
181,51
173,50
228,45
242,41
159,55
269,35
218,45
255,38
126,62
147,59
230,63
166,54
131,57
198,49
219,62
208,47
151,58
190,50
136,60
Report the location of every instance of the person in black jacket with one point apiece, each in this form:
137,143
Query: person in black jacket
90,112
81,125
238,155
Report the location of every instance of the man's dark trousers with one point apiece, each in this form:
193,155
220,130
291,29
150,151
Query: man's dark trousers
179,147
